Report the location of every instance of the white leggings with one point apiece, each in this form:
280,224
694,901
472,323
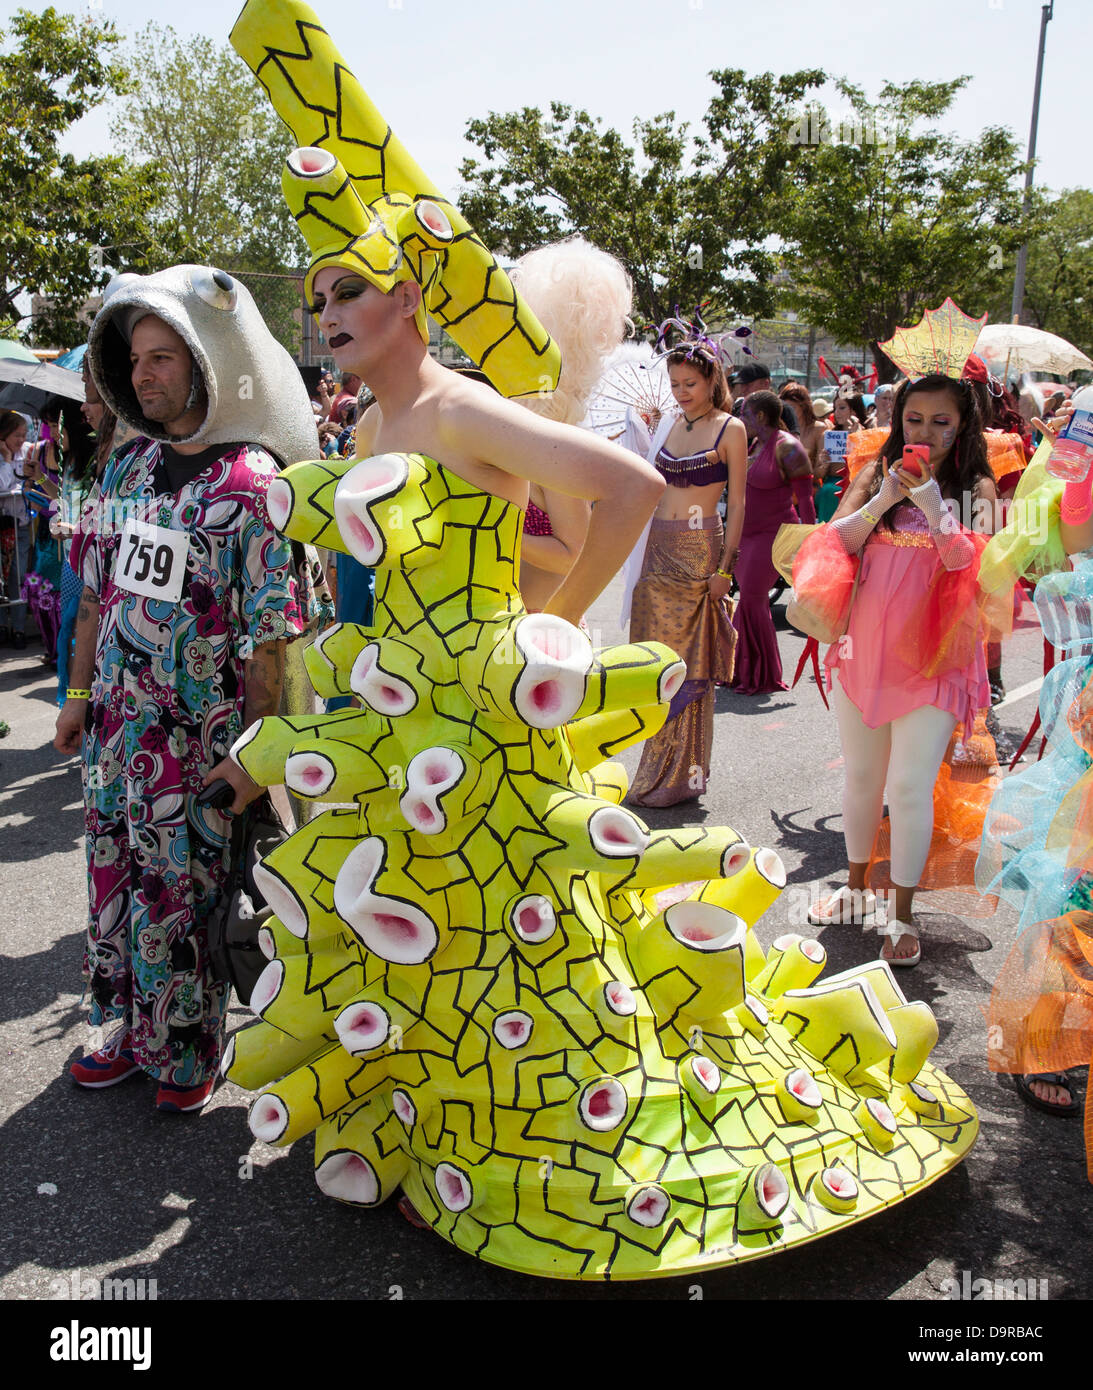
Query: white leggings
905,755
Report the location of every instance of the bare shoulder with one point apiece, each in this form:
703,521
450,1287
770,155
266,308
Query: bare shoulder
462,403
734,428
368,427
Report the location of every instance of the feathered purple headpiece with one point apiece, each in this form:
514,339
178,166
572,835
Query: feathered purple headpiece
692,338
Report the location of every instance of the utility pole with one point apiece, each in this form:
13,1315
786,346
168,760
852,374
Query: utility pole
1022,255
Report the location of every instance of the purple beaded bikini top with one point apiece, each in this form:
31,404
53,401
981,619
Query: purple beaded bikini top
536,522
693,470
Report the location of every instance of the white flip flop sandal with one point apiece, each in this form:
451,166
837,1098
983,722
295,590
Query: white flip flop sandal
895,929
849,906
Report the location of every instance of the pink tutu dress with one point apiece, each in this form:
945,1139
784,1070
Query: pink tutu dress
914,635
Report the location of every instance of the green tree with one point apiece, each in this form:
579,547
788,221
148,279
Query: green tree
1059,277
66,221
661,205
891,217
200,118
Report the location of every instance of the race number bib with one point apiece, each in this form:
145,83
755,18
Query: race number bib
152,561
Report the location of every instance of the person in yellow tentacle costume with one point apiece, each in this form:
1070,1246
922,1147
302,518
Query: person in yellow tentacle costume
485,984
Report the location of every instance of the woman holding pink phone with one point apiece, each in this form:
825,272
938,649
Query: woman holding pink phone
911,665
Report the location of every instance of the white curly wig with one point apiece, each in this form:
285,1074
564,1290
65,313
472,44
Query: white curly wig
582,296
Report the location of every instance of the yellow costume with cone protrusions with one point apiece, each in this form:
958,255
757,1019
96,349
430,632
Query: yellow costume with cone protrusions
362,201
475,990
483,985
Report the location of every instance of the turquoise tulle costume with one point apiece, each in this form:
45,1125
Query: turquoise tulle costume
1037,848
1014,860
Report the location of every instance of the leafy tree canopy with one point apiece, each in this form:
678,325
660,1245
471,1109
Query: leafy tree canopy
199,117
66,221
890,217
687,215
1059,273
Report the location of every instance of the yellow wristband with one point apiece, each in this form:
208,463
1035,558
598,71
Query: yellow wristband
725,574
78,694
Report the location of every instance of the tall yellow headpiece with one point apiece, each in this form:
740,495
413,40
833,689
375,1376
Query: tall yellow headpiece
362,202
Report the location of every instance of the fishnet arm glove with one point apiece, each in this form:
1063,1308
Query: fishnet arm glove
854,530
956,549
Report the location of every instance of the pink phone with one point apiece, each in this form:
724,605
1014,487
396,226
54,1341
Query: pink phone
916,459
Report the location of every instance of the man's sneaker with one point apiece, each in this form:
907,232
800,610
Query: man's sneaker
106,1067
177,1100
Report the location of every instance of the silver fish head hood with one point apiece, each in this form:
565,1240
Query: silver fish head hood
255,392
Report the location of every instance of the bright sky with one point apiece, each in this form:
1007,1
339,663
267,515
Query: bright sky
430,65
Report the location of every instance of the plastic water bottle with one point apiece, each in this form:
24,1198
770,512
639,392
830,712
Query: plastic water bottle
1072,456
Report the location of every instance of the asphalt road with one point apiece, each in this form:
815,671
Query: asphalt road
98,1183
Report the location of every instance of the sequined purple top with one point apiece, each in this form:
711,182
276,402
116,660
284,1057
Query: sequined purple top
536,522
693,470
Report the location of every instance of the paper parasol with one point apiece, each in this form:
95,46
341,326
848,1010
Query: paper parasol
632,377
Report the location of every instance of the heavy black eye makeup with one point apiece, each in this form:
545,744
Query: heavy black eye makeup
349,287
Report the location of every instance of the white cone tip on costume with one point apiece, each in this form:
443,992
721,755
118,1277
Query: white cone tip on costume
380,691
348,1177
268,1118
512,1029
310,162
285,905
603,1104
279,503
882,1114
395,931
770,866
706,1073
558,658
836,1189
771,1190
267,987
671,680
430,774
648,1206
533,919
404,1108
705,926
735,858
434,220
309,774
616,834
619,998
362,1027
370,481
810,947
453,1187
802,1087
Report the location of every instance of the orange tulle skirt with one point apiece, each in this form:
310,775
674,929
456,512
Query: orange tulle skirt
966,781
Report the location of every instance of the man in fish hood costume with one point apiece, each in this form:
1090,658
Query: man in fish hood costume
190,598
253,388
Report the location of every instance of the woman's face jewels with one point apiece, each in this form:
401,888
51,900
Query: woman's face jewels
931,418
